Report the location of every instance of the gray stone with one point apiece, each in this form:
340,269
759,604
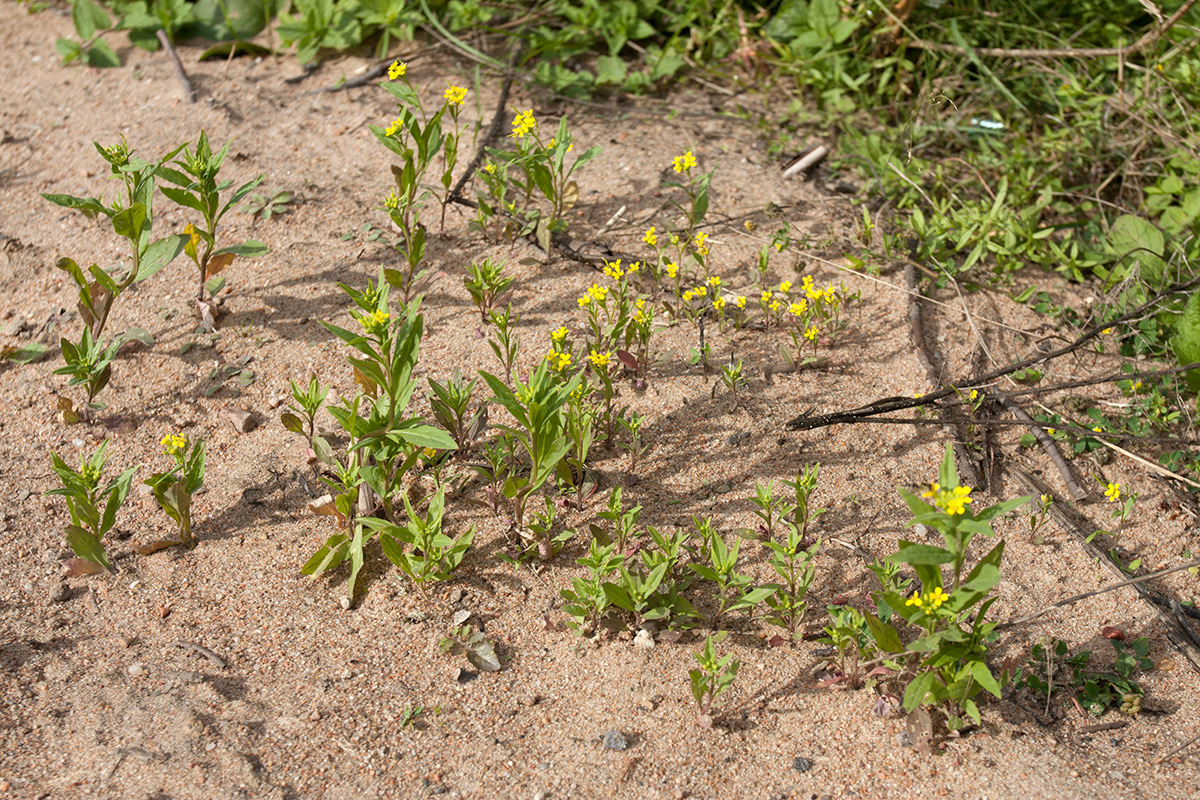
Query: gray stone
801,764
614,740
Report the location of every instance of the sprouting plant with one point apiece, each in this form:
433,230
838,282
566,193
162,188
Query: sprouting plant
586,601
199,190
507,343
175,488
431,555
487,284
131,218
537,409
631,424
804,486
712,679
93,509
450,402
89,363
853,648
1123,504
946,666
261,206
696,189
767,507
308,402
794,565
466,641
732,378
1038,516
91,23
498,457
624,521
734,590
645,598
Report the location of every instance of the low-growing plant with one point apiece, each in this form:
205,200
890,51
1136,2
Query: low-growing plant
507,342
586,602
463,640
624,521
431,555
767,507
175,488
93,509
1053,668
735,591
487,284
199,190
265,206
713,678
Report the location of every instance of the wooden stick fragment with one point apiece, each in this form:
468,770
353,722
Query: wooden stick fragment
1078,493
189,91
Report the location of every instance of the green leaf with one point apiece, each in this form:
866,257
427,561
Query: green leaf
100,54
329,555
88,18
917,690
251,248
910,553
1185,343
27,354
159,254
87,545
885,635
983,676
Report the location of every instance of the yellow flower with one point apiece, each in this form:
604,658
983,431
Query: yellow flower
811,333
766,296
394,128
915,600
672,269
1097,429
685,162
600,359
397,69
775,305
650,237
559,335
798,309
1113,492
634,267
974,394
584,300
558,361
740,301
687,296
749,225
934,488
955,502
374,322
598,292
174,443
522,124
1137,386
702,243
613,269
1051,431
455,95
429,452
778,247
937,596
489,168
719,303
715,280
391,202
700,291
1106,332
786,286
918,396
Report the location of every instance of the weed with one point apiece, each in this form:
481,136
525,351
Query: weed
175,488
713,678
1052,668
93,509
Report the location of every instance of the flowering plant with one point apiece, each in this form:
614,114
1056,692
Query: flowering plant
946,666
174,488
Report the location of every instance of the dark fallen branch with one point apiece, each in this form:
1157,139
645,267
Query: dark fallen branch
954,431
806,421
1078,493
189,91
1177,638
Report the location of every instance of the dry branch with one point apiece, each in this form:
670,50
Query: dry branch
189,91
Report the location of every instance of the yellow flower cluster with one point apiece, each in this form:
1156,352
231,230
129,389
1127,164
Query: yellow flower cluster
391,202
798,309
650,237
685,162
642,314
699,291
811,335
174,444
554,141
558,361
397,69
702,243
375,322
394,128
522,124
455,95
719,303
559,335
952,501
740,301
672,269
1113,492
930,602
489,168
715,280
600,359
595,293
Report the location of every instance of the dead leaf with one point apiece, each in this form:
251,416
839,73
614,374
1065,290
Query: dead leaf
66,411
155,546
77,567
218,264
1109,632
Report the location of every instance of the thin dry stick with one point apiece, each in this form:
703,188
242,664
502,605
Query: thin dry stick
1076,489
1111,587
888,404
1177,639
966,466
1179,749
189,91
1066,52
217,661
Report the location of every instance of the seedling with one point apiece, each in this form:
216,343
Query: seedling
487,284
464,640
93,509
175,488
713,679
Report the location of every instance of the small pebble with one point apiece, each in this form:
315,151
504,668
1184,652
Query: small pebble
315,716
643,640
344,602
903,739
60,593
801,764
646,703
136,669
614,740
243,421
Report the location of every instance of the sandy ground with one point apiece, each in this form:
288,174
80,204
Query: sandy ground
98,700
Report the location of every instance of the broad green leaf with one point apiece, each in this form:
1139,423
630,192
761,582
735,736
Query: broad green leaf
87,545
